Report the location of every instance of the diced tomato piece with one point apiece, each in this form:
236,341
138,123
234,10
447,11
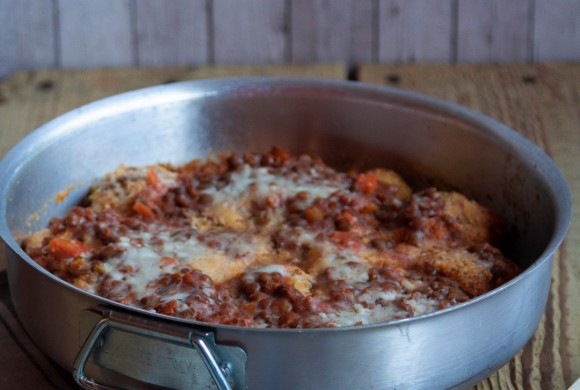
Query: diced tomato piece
366,183
349,217
144,210
154,181
63,247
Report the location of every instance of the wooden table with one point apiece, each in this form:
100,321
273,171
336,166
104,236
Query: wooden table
540,101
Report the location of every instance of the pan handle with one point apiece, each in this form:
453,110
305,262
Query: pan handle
223,371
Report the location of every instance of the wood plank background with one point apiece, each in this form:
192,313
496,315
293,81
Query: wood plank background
85,33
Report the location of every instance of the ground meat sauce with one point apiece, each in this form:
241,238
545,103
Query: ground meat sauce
274,240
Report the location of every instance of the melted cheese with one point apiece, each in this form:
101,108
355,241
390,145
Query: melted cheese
145,268
227,255
260,183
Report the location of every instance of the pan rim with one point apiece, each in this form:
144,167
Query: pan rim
60,126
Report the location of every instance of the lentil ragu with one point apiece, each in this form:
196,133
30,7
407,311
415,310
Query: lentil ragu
274,240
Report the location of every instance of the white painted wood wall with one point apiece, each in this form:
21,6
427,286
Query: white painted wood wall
102,33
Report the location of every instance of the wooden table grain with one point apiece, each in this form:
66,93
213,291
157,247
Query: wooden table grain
540,101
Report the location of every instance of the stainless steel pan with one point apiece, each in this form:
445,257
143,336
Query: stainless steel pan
428,140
